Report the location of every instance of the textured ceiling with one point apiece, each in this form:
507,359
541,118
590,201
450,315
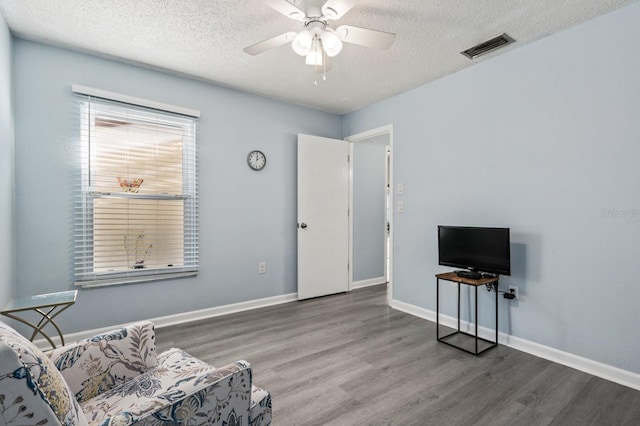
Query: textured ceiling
205,38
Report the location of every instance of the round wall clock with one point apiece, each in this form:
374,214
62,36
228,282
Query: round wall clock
256,160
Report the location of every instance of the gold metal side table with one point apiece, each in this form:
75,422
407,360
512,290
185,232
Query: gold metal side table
48,306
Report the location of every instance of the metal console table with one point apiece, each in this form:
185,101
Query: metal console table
48,306
452,277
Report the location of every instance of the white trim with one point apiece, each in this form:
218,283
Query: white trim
384,130
350,207
414,310
99,93
217,311
369,282
595,368
186,317
104,282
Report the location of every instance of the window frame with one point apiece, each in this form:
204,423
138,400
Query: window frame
84,195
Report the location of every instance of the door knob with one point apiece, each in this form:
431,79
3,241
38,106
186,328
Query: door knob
303,225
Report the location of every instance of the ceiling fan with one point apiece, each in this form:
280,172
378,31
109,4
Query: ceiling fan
318,38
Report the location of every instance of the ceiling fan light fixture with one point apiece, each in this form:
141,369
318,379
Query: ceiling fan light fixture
314,57
331,44
302,42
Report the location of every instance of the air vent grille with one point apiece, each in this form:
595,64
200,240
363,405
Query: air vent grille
488,46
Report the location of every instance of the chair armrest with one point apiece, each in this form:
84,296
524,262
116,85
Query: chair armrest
95,365
222,396
181,390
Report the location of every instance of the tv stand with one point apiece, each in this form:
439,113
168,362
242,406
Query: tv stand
451,339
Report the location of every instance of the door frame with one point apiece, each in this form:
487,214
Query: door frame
384,130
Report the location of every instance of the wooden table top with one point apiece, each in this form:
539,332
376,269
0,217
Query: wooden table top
451,276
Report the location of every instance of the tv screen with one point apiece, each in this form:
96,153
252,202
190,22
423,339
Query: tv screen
475,248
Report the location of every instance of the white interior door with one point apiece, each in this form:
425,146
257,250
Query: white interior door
323,221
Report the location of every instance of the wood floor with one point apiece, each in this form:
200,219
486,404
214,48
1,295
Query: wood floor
349,359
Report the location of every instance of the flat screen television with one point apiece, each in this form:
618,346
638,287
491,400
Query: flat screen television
475,248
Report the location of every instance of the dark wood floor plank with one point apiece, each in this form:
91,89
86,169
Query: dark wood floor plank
349,359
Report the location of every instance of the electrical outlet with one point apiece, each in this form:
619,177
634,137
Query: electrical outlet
262,267
513,290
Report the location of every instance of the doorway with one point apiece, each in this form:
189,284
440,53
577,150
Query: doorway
370,204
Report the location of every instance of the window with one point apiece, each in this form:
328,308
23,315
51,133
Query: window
136,201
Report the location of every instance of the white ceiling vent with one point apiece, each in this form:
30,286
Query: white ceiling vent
488,46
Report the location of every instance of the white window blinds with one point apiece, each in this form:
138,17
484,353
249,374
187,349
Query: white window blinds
136,200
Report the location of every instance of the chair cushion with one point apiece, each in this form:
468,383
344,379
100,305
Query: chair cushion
32,390
181,390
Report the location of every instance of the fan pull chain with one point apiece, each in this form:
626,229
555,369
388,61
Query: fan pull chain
324,69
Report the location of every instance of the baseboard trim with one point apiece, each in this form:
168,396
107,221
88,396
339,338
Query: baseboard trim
217,311
169,320
595,368
368,283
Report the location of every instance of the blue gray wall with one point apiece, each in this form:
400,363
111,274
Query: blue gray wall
369,230
7,239
245,216
544,140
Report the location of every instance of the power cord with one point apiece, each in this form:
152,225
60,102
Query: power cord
506,294
492,287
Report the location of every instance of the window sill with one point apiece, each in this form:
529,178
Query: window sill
104,282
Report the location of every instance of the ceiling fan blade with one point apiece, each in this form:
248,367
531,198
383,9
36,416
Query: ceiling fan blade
287,9
271,43
365,37
335,9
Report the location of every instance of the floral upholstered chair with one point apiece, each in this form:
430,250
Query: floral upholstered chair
116,379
